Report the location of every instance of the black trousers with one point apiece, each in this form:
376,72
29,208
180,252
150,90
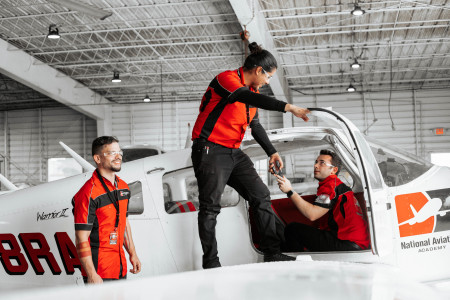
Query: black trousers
214,167
299,236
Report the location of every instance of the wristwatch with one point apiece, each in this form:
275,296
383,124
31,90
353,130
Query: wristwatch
290,193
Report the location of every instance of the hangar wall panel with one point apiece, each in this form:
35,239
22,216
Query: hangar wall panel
414,114
166,125
30,137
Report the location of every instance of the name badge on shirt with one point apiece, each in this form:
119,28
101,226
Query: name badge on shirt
113,237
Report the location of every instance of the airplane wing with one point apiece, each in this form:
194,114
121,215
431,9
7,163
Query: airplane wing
411,221
262,281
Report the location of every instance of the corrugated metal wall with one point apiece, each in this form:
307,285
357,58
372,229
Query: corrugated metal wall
414,114
166,125
30,137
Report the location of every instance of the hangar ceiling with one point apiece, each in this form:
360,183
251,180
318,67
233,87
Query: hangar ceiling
171,49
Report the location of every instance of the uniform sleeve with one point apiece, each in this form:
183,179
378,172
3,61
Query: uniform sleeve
244,95
260,136
229,81
83,210
325,195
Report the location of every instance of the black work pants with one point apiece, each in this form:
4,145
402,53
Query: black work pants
214,167
299,236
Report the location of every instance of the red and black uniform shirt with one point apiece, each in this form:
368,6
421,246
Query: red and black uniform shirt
220,120
94,211
346,219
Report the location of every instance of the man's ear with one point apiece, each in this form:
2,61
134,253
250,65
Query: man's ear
334,170
96,158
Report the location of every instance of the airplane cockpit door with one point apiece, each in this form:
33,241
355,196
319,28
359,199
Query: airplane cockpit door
375,191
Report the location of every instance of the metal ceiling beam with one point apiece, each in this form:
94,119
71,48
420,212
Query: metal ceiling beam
393,8
151,46
365,44
25,69
66,34
250,16
340,84
364,30
370,61
137,43
410,25
147,59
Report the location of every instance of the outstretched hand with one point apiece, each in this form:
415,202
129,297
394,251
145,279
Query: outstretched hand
283,183
299,112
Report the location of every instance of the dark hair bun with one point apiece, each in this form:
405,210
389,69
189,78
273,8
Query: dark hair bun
255,48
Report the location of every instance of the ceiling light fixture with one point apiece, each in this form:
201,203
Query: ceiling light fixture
116,77
53,32
357,11
83,8
351,88
147,98
355,64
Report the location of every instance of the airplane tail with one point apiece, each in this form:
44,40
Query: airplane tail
84,163
8,184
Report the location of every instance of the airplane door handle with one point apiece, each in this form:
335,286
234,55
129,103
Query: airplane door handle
155,170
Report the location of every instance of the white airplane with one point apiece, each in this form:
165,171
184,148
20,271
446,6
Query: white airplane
37,231
430,209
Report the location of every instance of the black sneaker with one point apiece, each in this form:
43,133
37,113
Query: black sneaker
277,257
212,265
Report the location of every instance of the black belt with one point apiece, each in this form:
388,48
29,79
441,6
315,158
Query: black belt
199,140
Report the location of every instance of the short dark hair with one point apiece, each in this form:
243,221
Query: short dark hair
99,142
335,160
259,57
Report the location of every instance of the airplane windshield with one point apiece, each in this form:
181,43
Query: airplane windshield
397,166
137,153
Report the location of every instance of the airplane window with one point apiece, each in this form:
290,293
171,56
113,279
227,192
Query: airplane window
371,167
181,193
298,168
397,166
136,202
130,154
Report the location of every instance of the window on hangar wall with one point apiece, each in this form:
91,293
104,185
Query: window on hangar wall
60,167
441,159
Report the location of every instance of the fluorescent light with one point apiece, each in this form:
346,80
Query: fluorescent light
357,11
355,64
53,32
116,77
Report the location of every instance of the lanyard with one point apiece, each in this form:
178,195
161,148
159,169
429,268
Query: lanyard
111,197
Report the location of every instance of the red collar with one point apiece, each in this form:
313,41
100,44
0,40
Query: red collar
240,73
327,180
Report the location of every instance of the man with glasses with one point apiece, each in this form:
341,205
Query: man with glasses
100,212
344,230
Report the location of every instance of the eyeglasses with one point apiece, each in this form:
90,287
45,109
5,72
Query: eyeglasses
323,163
113,153
265,73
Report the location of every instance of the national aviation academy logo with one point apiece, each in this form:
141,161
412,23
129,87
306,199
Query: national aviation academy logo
423,212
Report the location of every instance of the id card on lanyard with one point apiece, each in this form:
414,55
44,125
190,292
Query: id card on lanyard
113,234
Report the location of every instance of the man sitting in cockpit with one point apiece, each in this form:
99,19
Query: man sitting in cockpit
344,230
